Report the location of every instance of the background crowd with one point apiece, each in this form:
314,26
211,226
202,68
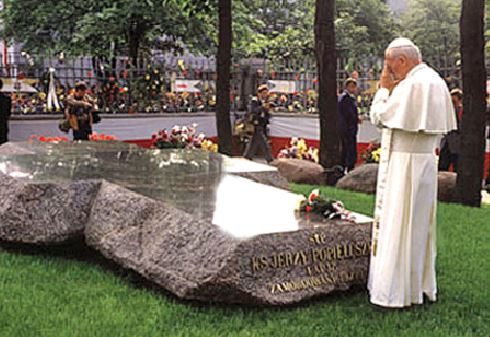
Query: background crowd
114,98
156,90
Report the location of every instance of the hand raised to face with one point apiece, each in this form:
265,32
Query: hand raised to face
387,80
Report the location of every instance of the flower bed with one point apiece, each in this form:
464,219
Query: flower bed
47,139
95,137
183,138
101,137
372,153
299,149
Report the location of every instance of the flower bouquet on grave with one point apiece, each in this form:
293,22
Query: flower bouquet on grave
372,154
299,149
44,139
329,208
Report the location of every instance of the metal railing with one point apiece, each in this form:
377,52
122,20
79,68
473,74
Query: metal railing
154,87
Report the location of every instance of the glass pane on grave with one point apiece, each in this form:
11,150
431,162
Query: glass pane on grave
198,182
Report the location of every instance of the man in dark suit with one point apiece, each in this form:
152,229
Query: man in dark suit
259,116
450,144
5,111
348,124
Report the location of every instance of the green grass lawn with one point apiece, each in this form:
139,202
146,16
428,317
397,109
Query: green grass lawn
52,295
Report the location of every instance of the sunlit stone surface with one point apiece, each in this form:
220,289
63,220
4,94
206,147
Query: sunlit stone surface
188,220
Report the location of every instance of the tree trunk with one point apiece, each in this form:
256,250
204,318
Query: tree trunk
134,51
471,158
134,39
326,57
223,82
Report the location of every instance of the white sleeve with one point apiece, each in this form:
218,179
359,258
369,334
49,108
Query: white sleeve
419,103
384,106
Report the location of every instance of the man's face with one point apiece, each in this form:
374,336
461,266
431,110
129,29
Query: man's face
352,88
456,100
396,66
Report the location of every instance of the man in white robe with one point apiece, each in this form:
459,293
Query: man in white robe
413,107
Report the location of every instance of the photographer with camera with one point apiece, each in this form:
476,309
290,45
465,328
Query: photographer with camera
79,112
259,115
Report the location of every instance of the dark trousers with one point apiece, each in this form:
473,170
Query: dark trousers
259,139
4,130
349,150
83,133
446,158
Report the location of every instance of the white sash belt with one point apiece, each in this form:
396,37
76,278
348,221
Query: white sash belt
412,142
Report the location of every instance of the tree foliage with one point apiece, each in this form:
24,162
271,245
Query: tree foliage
40,25
92,26
276,29
283,29
434,26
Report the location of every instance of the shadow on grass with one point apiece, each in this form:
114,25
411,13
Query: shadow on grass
77,250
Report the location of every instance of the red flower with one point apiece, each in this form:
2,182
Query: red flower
312,197
309,209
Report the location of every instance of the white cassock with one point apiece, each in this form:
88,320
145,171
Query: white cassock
415,115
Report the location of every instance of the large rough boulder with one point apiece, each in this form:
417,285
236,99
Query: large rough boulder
301,171
176,223
44,213
197,260
446,189
362,179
